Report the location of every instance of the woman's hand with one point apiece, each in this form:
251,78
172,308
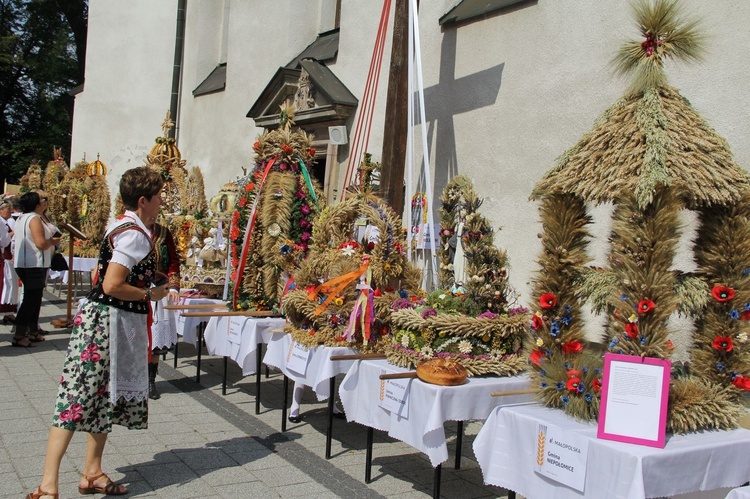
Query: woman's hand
173,296
158,292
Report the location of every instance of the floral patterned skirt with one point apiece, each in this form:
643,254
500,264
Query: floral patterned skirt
83,395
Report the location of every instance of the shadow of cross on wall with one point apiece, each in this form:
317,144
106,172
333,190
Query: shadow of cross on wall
450,97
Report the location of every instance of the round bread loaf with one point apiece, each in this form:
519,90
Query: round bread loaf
443,372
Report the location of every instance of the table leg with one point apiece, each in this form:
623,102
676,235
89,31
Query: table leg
175,354
267,372
200,350
224,378
511,494
258,356
368,456
459,441
283,404
436,482
329,431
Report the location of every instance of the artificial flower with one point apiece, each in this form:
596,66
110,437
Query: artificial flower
338,301
742,337
645,306
745,315
536,322
572,347
574,373
596,385
548,300
536,357
465,347
429,312
741,382
539,342
722,294
723,343
670,345
631,330
572,384
305,209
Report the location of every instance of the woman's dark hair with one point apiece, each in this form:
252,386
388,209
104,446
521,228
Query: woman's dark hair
137,182
29,201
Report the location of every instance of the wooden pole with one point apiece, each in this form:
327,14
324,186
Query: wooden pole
393,158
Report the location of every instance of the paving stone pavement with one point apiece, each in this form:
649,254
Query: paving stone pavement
202,444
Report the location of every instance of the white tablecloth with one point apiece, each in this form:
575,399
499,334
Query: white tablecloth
80,264
430,406
506,451
320,368
186,326
254,330
739,493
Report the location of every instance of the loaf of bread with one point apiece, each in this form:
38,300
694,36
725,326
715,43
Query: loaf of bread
443,372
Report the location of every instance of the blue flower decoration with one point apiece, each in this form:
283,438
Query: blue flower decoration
597,370
567,308
285,249
567,365
643,340
734,314
542,373
559,385
588,397
747,306
585,369
719,366
403,294
567,319
746,272
543,384
624,297
613,343
565,399
554,328
580,388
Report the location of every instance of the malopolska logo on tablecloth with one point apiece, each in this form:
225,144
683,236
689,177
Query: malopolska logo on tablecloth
561,456
394,395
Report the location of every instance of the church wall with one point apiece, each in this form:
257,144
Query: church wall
128,83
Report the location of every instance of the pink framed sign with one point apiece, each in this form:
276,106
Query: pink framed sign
635,392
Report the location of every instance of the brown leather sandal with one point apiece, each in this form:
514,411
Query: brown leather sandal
110,488
40,493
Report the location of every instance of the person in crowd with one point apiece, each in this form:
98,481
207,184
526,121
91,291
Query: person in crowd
8,277
49,224
164,327
105,374
34,243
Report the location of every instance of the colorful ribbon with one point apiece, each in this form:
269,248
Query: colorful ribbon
335,286
306,174
248,231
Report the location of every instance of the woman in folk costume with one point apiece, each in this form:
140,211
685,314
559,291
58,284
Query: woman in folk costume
8,277
164,327
105,374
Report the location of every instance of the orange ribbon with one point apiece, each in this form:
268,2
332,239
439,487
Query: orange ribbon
335,286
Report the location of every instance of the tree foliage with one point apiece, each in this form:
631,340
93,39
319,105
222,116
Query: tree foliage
42,56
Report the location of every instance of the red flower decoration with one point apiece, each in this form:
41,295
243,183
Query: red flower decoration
572,384
645,306
377,292
536,322
596,385
722,294
670,345
256,145
548,300
536,357
572,347
574,373
631,329
741,382
723,343
745,315
249,187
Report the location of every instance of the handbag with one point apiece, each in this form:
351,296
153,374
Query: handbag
58,262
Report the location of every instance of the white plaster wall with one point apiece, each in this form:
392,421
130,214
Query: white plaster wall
129,60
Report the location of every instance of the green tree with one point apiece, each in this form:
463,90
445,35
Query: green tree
42,56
